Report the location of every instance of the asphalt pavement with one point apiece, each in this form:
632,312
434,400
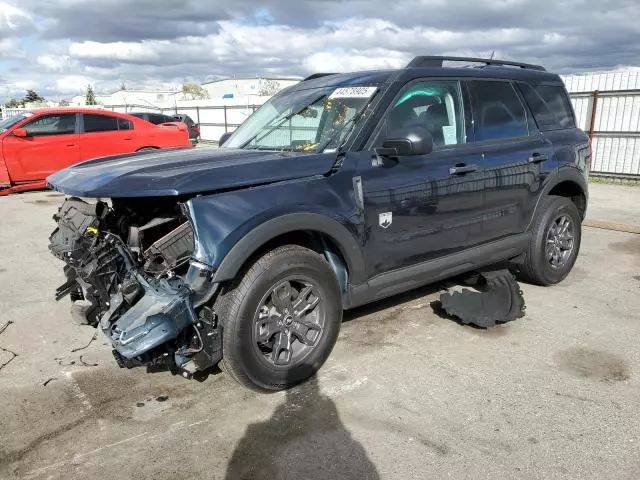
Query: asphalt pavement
406,394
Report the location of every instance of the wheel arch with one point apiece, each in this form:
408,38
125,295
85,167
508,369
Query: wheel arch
300,229
572,190
571,184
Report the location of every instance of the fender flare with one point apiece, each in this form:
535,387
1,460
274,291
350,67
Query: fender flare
257,237
563,175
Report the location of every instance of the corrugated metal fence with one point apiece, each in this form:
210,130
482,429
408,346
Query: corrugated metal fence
607,107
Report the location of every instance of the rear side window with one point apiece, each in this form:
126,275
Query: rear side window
157,119
99,123
124,124
185,119
550,106
498,111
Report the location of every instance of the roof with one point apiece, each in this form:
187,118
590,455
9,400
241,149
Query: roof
410,72
75,110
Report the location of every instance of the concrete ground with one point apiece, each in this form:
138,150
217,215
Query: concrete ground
405,394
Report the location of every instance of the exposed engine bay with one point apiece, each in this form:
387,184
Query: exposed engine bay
129,272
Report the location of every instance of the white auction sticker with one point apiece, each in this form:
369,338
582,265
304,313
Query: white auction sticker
353,92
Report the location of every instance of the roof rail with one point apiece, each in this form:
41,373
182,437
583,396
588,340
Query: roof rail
436,61
317,75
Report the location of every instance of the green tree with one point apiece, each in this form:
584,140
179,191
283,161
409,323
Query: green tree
89,96
269,88
123,86
193,91
32,97
13,103
64,102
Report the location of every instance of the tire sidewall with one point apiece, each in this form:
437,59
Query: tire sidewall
558,207
238,336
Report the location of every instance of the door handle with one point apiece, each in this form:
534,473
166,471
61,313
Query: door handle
462,169
128,138
71,144
537,158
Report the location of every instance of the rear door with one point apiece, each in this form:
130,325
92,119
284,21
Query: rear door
51,144
422,207
104,135
517,158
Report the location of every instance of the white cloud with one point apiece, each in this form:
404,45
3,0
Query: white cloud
55,63
352,61
13,18
154,42
9,46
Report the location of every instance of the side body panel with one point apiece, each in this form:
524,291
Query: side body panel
100,144
34,157
430,212
223,222
514,176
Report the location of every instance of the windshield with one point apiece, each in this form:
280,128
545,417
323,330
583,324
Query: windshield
7,123
313,120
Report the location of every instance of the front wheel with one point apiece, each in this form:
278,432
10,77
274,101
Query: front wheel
280,319
557,231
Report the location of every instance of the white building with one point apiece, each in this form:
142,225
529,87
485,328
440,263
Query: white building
243,88
139,98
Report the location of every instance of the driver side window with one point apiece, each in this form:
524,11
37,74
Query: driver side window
53,124
435,105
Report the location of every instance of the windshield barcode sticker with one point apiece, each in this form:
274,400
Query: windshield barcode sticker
353,92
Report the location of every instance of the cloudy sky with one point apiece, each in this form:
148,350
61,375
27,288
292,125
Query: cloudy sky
60,46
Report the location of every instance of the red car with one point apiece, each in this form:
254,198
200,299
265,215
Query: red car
35,144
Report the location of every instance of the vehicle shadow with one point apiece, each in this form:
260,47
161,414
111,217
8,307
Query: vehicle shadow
303,439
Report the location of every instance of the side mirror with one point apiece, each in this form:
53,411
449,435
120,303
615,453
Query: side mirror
224,137
20,132
405,141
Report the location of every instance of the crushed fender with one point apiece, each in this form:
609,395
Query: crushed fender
498,299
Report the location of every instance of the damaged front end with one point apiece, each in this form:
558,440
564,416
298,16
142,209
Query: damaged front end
129,272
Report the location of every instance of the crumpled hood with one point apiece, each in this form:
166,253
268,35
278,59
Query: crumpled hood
185,171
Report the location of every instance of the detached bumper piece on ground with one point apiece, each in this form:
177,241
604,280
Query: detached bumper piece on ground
498,299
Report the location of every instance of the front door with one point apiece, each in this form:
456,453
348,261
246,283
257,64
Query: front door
419,208
51,144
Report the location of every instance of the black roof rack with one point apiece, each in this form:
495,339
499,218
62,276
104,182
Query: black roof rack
317,75
434,61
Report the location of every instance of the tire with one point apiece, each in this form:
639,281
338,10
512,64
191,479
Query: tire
538,267
146,149
263,366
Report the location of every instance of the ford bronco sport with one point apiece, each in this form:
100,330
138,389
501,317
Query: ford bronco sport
340,190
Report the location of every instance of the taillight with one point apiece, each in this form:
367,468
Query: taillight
584,157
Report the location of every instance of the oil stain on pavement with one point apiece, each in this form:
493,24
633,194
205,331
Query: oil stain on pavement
598,365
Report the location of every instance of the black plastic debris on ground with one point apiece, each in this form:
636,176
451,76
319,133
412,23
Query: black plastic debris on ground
498,299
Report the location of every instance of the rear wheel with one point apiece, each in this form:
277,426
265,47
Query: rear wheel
280,319
557,231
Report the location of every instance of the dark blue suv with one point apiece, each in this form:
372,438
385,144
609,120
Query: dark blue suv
339,191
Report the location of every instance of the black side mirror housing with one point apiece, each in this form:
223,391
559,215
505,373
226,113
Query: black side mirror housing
224,137
407,141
